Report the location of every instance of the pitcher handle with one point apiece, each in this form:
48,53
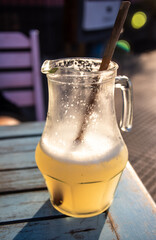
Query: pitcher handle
125,85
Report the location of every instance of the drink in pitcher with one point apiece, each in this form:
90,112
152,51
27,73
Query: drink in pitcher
81,153
81,189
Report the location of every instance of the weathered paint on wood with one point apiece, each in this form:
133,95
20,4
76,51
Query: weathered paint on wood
24,129
133,211
28,205
20,180
60,228
134,202
30,215
35,206
18,145
17,161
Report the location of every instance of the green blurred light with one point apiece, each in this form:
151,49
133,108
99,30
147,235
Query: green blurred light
123,44
138,20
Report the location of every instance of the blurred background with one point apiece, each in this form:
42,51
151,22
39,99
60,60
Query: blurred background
82,28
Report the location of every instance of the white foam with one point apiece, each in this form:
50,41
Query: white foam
94,148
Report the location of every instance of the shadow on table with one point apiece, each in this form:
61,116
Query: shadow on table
48,224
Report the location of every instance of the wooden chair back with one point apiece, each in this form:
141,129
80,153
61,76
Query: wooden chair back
20,78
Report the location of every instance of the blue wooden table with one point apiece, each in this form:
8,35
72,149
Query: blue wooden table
26,212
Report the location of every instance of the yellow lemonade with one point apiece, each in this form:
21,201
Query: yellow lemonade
81,189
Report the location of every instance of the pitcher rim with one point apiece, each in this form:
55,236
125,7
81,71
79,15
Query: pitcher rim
49,65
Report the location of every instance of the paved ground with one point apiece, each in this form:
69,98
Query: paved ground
141,141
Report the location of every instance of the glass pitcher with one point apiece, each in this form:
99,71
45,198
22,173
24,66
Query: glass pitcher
81,153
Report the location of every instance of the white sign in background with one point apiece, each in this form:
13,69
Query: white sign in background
99,15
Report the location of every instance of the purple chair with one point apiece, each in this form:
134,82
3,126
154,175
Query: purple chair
20,78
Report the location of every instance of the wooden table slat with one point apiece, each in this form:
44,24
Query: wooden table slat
17,160
28,205
23,180
66,228
18,145
133,211
24,129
